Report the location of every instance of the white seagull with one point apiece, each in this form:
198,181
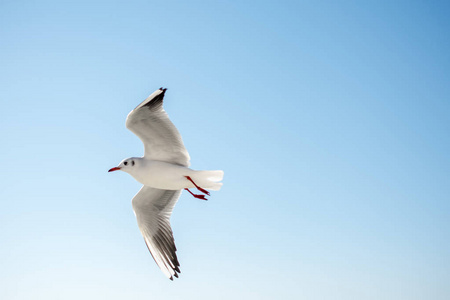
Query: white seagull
164,172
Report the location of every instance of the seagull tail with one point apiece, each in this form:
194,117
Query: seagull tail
209,179
214,186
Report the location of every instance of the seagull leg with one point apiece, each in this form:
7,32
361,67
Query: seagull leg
198,188
197,196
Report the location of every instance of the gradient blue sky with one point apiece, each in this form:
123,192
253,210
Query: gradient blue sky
330,120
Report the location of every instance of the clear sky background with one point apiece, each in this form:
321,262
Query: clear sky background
331,120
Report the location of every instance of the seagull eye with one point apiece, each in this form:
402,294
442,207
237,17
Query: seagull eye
132,162
125,163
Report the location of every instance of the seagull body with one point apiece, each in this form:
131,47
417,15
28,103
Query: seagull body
163,175
164,171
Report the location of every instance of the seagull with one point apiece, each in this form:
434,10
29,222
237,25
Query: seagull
164,173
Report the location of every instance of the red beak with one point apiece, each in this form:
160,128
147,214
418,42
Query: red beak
114,169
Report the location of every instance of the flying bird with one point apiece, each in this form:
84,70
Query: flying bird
164,173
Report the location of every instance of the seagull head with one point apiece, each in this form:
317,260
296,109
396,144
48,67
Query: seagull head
126,165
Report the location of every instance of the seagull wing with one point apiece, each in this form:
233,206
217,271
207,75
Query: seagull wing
162,141
153,208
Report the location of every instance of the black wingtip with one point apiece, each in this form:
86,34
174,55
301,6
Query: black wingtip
156,101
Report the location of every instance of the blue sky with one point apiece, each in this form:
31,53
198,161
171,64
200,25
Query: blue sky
330,120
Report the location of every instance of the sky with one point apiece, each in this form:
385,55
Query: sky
330,120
